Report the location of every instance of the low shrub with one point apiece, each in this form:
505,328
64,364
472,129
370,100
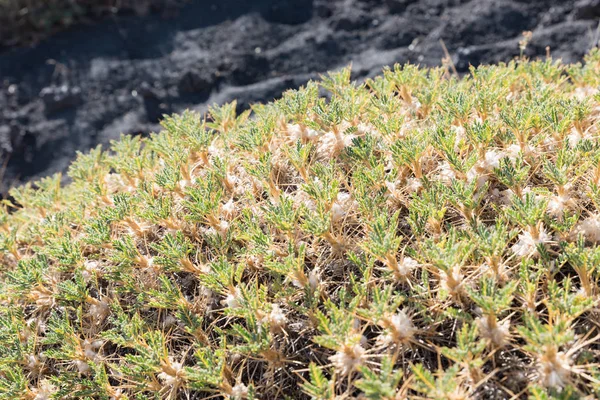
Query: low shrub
414,236
27,21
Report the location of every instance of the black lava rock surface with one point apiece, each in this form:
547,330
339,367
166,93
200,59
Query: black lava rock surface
87,85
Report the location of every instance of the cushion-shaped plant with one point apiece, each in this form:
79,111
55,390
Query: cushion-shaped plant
417,235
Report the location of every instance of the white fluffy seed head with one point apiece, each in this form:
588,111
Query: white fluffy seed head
402,325
460,132
574,137
558,204
301,198
114,182
223,228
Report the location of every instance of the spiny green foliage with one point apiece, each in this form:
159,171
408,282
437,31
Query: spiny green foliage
415,236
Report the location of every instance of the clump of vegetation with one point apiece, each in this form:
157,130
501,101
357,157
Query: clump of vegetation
415,236
27,21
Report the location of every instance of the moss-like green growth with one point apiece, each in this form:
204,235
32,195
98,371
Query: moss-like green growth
23,22
415,236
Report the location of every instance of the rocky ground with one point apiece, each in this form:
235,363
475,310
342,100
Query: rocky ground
87,85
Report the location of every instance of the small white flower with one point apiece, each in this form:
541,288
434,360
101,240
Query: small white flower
331,144
574,137
460,133
228,209
170,321
99,311
184,183
302,198
90,348
213,150
171,376
232,300
400,329
413,185
327,146
341,207
492,159
526,246
239,391
313,279
484,167
232,180
348,358
557,204
114,182
295,132
583,92
391,186
497,335
35,363
513,151
90,268
403,325
590,228
365,128
337,212
406,266
415,104
277,318
452,279
118,394
82,366
44,391
555,372
447,174
223,228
